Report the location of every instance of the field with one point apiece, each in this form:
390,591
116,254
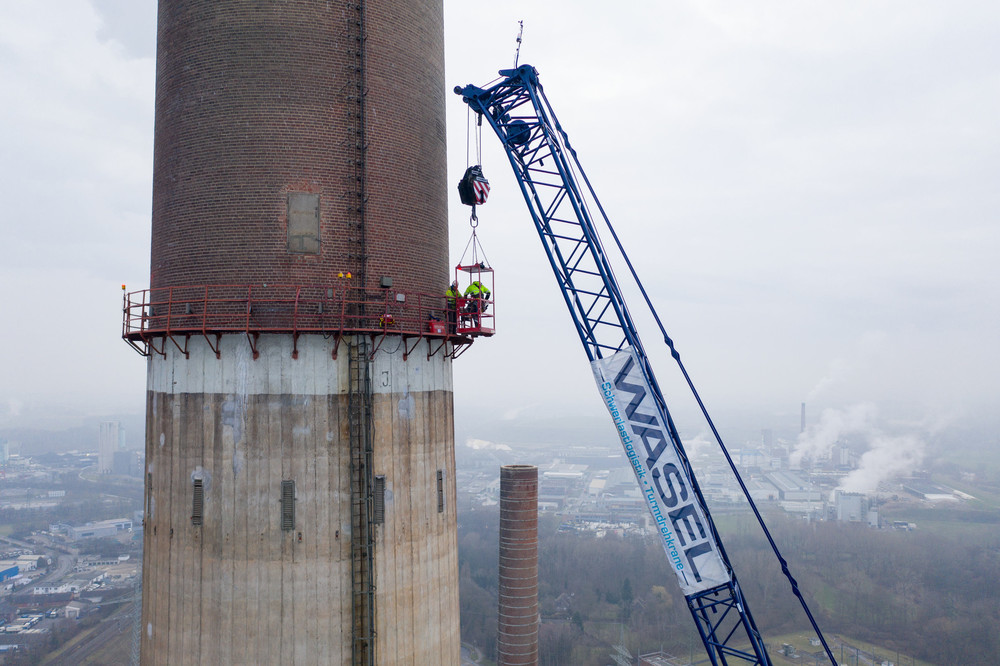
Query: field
846,650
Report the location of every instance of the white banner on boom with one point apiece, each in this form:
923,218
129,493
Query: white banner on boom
680,520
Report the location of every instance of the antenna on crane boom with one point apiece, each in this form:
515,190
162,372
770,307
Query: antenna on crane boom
517,53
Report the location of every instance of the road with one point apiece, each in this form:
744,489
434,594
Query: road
97,638
64,564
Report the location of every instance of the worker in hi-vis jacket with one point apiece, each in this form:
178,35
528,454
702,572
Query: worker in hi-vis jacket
451,295
477,294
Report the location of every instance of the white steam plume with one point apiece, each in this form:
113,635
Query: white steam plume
486,445
818,439
699,444
888,456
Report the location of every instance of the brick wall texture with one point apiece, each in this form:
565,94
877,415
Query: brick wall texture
258,99
517,635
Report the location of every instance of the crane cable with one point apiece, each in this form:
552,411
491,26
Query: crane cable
704,410
694,392
576,169
478,133
676,355
478,253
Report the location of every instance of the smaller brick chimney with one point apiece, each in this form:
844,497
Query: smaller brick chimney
518,631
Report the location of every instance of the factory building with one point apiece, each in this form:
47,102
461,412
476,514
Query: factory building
101,529
854,508
8,570
792,488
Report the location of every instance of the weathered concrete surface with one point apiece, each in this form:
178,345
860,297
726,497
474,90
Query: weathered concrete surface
239,589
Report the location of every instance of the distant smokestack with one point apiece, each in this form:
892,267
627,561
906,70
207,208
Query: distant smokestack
518,640
802,426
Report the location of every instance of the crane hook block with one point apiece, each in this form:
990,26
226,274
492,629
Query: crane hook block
473,189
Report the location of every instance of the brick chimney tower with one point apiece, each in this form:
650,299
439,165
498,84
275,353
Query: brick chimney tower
300,481
518,619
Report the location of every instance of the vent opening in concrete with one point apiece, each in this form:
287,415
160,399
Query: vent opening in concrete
378,504
149,494
198,503
287,505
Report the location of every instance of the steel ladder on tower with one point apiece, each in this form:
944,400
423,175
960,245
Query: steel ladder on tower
362,503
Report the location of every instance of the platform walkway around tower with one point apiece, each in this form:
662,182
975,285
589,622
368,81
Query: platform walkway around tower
153,318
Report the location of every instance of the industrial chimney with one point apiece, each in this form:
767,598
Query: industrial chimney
518,618
300,481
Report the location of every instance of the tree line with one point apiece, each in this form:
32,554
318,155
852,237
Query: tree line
925,595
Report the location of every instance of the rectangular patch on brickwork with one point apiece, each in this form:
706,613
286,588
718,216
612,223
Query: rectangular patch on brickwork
303,223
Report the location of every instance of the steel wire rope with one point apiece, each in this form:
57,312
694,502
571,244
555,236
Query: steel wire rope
475,253
574,167
704,410
477,248
737,591
478,133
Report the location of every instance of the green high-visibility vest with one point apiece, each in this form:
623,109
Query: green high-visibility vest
477,290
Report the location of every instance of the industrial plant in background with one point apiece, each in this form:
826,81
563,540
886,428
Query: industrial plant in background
300,479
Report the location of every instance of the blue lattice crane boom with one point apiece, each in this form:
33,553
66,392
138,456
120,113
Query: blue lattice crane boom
560,199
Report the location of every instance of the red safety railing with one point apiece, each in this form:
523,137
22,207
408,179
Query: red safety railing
152,317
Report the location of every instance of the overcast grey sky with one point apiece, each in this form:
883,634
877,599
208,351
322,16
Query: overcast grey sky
809,190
